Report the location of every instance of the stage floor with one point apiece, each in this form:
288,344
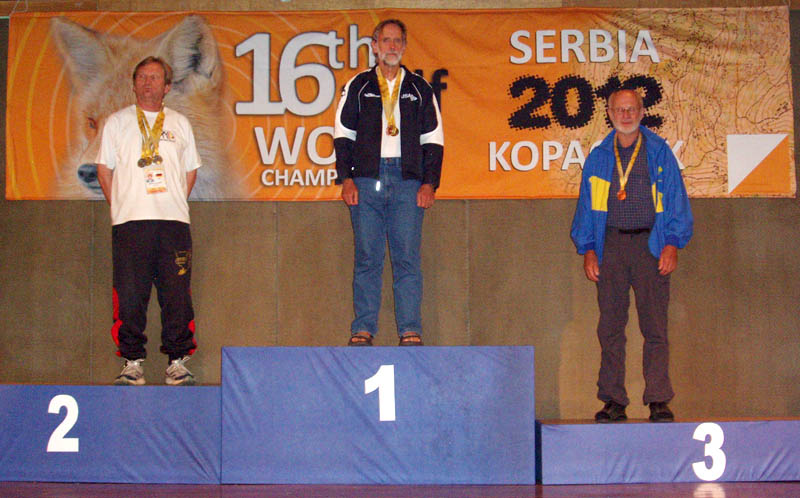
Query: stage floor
671,490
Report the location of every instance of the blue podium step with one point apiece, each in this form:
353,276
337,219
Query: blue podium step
148,434
432,415
589,453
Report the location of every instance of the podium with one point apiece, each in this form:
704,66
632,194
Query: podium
766,450
391,415
382,415
145,434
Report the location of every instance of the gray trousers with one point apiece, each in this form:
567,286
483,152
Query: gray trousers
627,263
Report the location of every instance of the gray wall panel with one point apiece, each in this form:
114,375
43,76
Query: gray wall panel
496,272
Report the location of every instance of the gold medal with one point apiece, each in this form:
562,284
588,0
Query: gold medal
623,175
150,137
389,100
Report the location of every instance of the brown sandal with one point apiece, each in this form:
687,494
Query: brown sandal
410,339
360,339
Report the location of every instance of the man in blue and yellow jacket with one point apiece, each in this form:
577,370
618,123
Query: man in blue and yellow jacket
632,216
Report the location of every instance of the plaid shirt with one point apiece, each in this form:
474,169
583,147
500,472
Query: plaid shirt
637,210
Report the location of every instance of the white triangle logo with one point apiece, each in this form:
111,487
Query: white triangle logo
745,153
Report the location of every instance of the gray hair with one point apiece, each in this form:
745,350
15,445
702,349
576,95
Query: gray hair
639,100
397,22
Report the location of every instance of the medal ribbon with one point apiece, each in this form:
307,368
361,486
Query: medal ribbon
150,136
389,101
623,176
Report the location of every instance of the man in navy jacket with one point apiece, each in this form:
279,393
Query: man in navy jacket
389,144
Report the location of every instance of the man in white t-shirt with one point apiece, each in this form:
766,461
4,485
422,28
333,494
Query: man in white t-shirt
147,166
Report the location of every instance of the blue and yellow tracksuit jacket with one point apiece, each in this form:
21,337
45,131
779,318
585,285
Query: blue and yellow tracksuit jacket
673,223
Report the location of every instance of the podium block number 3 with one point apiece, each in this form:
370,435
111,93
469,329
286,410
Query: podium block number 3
383,381
58,443
713,450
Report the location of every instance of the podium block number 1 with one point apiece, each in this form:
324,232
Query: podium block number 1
383,381
58,443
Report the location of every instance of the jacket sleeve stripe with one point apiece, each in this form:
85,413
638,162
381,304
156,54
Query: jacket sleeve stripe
340,130
599,196
435,136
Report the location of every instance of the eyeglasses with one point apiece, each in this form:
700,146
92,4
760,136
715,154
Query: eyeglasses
624,110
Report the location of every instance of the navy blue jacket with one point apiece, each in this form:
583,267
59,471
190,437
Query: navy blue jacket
358,131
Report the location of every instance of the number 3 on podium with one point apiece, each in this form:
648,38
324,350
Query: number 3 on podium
383,381
713,450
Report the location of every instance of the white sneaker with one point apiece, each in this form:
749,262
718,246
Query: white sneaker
132,374
178,374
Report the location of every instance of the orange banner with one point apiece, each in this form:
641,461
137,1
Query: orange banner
522,95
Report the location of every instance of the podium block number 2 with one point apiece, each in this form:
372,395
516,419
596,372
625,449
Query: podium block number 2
58,443
383,381
713,450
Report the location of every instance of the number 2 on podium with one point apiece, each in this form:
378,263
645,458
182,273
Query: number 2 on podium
58,443
383,381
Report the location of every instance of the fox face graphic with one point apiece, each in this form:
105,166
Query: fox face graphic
100,66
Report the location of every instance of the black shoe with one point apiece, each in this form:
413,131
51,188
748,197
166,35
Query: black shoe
660,412
612,412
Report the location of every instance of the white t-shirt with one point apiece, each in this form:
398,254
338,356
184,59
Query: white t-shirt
120,150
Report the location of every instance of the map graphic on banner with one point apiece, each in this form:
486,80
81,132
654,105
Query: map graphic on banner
522,95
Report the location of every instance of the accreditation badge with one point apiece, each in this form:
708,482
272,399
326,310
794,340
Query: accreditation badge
155,179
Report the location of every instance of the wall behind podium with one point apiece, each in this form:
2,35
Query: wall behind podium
496,273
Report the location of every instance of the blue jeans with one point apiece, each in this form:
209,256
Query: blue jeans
387,208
